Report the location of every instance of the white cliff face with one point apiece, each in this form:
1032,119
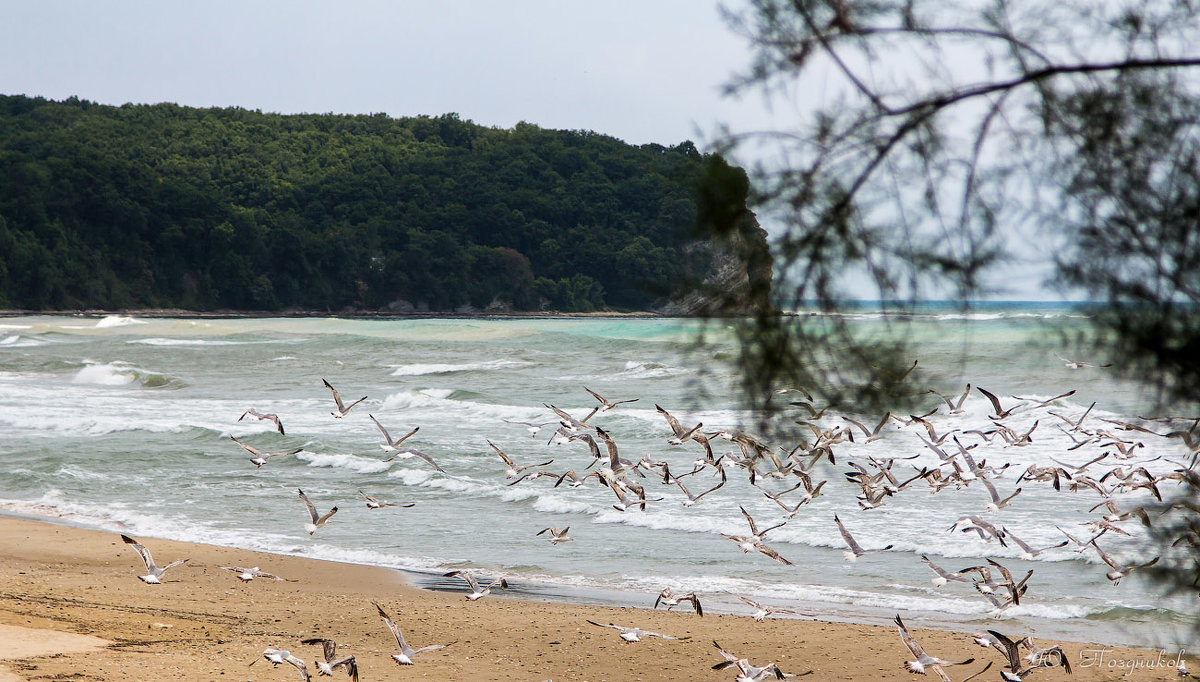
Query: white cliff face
739,271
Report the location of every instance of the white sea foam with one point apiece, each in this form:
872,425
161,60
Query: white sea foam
419,369
361,465
159,341
551,504
106,374
117,321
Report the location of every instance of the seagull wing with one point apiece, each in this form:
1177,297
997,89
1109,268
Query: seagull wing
993,399
753,526
773,554
506,458
471,582
854,546
321,521
312,511
430,647
337,397
422,455
392,626
676,427
912,644
386,436
247,448
142,552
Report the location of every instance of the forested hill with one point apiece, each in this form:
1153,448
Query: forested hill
163,206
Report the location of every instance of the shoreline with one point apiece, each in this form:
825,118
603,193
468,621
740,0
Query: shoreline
169,313
202,623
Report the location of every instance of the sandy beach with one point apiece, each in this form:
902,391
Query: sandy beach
72,608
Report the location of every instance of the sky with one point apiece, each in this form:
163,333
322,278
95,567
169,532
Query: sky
650,71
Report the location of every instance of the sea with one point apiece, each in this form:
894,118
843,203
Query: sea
123,424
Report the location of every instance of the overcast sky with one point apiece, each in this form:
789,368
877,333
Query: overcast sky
646,71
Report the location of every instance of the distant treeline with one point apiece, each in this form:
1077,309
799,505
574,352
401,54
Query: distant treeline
163,206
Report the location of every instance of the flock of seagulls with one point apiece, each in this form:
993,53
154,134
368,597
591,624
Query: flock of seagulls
788,477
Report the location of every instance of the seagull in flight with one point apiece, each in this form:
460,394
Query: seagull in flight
669,599
406,652
635,634
264,416
531,427
1000,413
277,656
247,574
392,445
605,404
476,592
923,660
943,576
761,611
682,435
317,521
754,541
376,503
1119,571
1076,364
513,470
855,550
1029,553
332,662
153,571
260,458
748,672
342,408
557,534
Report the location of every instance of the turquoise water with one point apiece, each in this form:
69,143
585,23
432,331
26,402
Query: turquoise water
123,424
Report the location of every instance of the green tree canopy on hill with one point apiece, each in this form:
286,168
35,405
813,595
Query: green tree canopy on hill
169,206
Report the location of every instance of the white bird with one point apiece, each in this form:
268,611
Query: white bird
376,503
747,671
754,541
605,404
682,434
260,458
557,534
264,416
317,521
277,656
635,634
332,662
923,660
406,652
1076,364
390,445
693,499
1028,553
476,592
669,599
996,502
513,470
531,427
943,576
153,571
855,550
761,611
954,407
1000,413
342,408
247,574
1119,571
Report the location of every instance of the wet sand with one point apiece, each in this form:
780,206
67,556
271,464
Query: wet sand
204,624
